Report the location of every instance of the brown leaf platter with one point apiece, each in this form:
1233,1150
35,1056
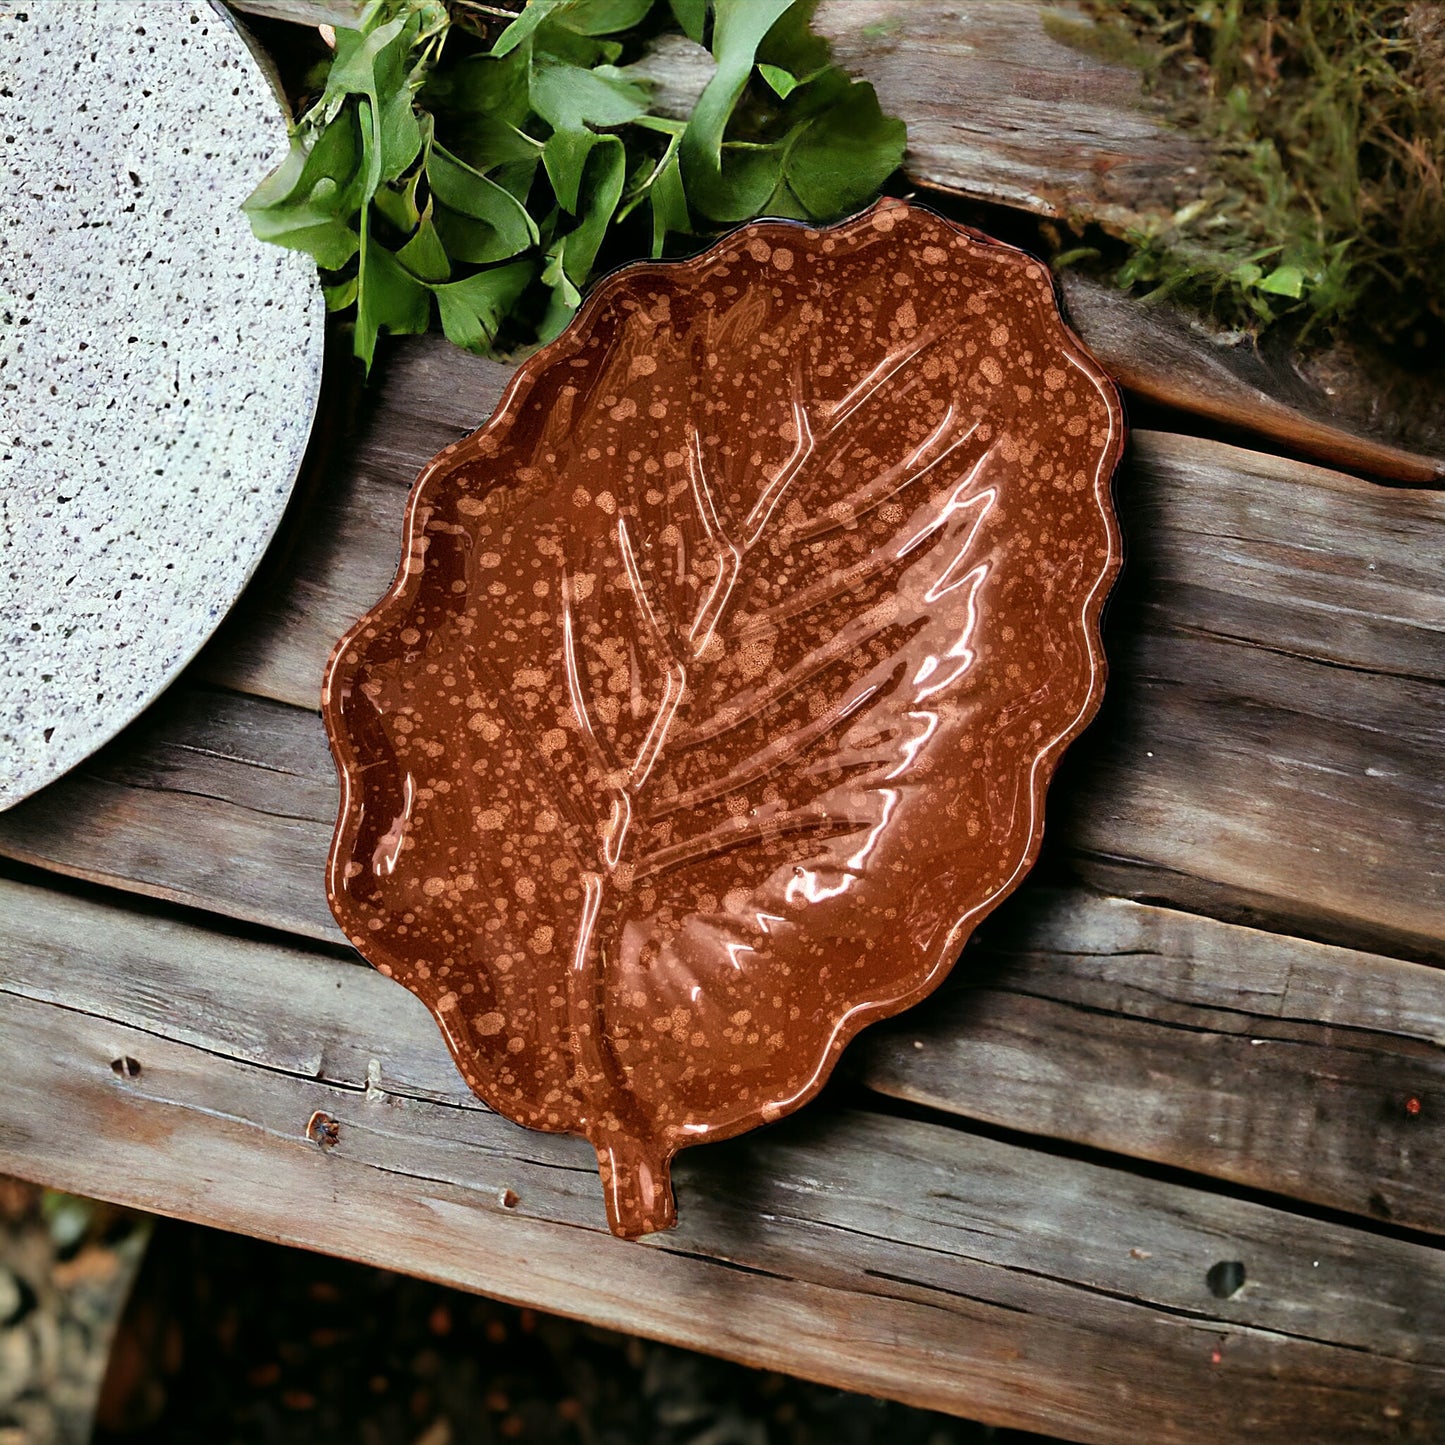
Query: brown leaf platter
718,690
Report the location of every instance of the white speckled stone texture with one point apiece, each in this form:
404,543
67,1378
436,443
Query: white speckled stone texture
159,367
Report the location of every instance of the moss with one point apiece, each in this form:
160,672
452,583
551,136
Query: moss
1116,44
1325,202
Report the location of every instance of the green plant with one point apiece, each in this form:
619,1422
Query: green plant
481,174
1326,201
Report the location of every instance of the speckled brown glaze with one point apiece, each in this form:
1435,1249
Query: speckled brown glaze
717,693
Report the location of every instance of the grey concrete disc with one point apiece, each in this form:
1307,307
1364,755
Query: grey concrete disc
159,367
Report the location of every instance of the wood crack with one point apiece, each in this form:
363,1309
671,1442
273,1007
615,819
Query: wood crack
1265,1020
1181,1312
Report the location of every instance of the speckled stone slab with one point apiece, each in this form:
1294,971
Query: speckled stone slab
159,367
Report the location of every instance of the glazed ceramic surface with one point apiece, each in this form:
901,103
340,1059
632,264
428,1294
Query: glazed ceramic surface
719,687
158,365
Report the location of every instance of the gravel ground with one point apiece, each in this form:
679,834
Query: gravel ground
66,1266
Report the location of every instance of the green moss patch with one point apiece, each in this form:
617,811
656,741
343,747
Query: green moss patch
1326,202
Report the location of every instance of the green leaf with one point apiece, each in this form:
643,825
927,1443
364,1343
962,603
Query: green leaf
318,153
785,203
527,22
424,255
732,187
741,185
845,154
556,44
309,201
565,299
692,16
738,28
389,297
486,145
482,85
472,311
342,295
782,81
516,177
600,192
465,192
398,204
568,97
565,156
791,45
662,124
605,17
669,203
374,66
330,241
1285,281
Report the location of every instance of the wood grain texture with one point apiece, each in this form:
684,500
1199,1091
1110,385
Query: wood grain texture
214,801
1294,1067
304,12
1237,1054
1000,107
1234,1053
1269,743
1041,1292
1271,737
1155,353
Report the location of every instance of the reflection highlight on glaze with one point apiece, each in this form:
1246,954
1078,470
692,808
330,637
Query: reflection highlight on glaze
389,845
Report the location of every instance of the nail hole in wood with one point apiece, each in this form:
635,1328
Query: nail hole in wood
508,1199
322,1130
1225,1279
125,1067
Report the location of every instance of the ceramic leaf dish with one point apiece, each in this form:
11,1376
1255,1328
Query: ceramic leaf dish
717,693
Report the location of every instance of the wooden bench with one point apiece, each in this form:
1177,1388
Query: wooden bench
1162,1163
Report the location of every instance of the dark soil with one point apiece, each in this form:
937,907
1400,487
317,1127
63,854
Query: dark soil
228,1340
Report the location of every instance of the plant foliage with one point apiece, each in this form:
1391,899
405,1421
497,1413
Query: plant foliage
1327,199
477,168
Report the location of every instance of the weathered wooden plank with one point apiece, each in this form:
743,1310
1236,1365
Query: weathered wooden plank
1277,649
1009,1285
1248,1056
1289,1066
210,800
1153,351
1002,108
1271,736
1269,741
